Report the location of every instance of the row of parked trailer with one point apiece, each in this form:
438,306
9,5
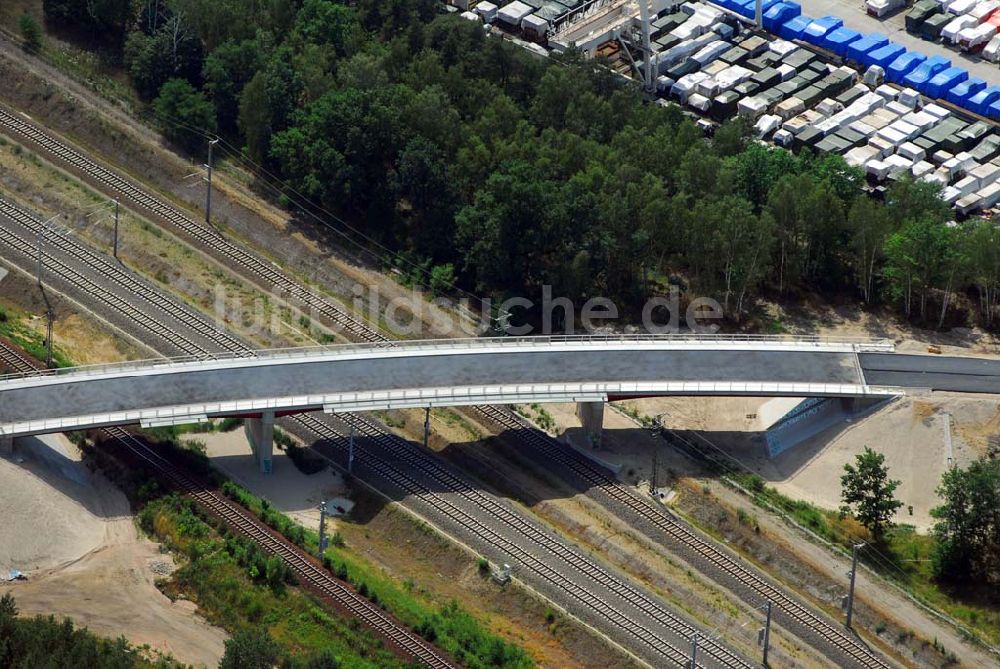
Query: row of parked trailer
971,25
800,97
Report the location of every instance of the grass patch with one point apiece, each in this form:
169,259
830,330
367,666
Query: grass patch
13,327
238,588
449,626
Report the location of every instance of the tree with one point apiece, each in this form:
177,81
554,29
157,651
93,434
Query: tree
917,259
186,113
250,649
226,72
982,251
968,524
173,51
867,490
8,607
31,32
870,225
101,15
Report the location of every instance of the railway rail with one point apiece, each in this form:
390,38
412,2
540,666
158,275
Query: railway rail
501,515
264,272
72,252
306,570
261,271
713,653
11,358
626,498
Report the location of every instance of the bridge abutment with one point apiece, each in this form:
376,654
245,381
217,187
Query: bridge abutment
591,415
260,433
6,446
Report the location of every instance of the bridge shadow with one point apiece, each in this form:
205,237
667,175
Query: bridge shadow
46,459
512,465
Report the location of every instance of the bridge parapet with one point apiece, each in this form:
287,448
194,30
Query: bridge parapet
667,342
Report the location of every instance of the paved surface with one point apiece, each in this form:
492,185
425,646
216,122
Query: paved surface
451,373
894,27
968,375
459,373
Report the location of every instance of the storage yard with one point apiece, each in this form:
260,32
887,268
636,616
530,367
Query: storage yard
802,82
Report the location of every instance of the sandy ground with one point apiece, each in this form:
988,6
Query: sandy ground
288,489
910,432
71,532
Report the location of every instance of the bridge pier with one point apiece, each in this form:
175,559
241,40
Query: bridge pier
6,446
591,415
260,433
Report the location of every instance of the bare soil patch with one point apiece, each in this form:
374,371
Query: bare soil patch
71,531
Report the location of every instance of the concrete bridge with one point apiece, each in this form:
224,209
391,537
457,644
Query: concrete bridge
589,370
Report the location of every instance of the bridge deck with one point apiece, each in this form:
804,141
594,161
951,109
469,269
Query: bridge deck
459,373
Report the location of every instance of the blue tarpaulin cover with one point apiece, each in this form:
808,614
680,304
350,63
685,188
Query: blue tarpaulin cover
817,30
963,92
922,74
838,40
884,55
780,14
793,29
903,65
944,81
981,101
866,45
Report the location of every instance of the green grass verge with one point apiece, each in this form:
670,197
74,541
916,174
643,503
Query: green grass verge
12,327
449,626
238,588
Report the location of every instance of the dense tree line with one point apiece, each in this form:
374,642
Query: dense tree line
29,643
479,163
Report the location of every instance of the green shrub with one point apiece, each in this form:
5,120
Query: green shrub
31,33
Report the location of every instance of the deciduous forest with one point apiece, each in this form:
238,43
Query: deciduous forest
483,167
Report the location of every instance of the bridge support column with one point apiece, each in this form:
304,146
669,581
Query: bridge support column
591,415
6,446
260,433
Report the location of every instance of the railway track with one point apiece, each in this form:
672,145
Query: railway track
681,532
74,252
713,653
238,519
14,360
241,521
502,515
264,272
